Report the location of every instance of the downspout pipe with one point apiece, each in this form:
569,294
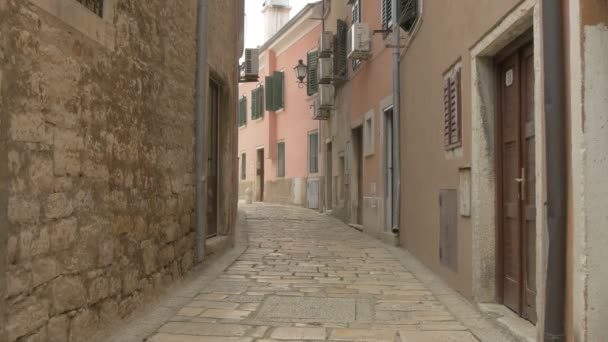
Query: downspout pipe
555,142
396,212
202,72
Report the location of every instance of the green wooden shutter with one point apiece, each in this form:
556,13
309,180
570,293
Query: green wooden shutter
270,105
313,83
242,111
261,101
278,80
281,159
254,103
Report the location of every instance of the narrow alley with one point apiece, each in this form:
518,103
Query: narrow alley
307,276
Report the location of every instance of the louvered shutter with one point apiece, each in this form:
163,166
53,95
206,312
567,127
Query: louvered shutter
254,103
281,159
278,80
451,110
340,53
269,88
387,13
242,111
313,83
260,101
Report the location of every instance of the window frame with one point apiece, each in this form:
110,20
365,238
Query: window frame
243,166
279,159
453,76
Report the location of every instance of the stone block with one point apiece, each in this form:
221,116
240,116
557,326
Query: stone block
58,206
149,252
80,258
12,249
85,322
107,251
351,335
19,280
66,162
44,270
204,329
99,289
63,234
68,293
130,281
292,333
67,139
27,127
167,255
57,329
22,210
39,336
27,317
40,173
33,243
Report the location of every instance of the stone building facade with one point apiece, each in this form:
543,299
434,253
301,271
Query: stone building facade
97,157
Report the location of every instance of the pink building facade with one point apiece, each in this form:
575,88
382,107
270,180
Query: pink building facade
280,149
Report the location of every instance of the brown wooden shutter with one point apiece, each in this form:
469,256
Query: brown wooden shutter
340,53
446,112
452,130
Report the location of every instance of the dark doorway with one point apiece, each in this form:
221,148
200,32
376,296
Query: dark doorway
212,159
259,183
517,183
388,169
358,155
329,177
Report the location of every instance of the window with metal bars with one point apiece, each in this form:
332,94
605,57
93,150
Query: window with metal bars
408,14
96,6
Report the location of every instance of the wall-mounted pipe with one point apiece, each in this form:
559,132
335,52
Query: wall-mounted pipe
396,212
555,142
202,72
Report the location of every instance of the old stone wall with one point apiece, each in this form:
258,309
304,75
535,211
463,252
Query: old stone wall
98,129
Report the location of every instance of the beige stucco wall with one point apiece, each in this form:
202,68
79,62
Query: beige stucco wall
446,33
97,122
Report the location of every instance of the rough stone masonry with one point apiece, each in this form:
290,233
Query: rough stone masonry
96,160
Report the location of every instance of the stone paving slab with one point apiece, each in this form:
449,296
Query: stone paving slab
307,277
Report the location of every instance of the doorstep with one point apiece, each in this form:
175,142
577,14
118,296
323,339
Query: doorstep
517,326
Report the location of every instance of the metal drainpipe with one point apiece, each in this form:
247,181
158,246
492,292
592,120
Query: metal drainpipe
396,122
200,108
555,142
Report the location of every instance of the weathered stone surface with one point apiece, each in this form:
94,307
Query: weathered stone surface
40,173
99,289
68,293
204,329
27,317
33,242
23,210
66,162
289,333
82,324
63,234
12,248
57,206
149,252
57,329
27,127
432,336
19,280
385,335
43,270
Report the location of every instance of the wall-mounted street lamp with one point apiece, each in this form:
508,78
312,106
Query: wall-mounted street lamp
301,71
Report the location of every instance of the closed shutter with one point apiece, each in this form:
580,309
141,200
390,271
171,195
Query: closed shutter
357,11
452,130
313,152
340,49
408,14
269,99
281,159
254,104
242,111
243,166
313,83
387,13
261,101
278,84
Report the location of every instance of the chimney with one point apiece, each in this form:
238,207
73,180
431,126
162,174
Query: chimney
276,14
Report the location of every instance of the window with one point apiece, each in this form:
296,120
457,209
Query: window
408,14
281,159
96,6
243,166
275,92
452,130
257,103
312,87
313,152
242,111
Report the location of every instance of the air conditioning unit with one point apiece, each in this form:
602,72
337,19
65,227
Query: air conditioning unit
359,41
319,113
325,70
252,63
326,44
326,96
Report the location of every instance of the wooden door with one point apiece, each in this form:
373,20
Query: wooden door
517,182
260,175
388,170
358,149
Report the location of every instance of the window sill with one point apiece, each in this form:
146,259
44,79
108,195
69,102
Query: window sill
258,119
242,127
74,14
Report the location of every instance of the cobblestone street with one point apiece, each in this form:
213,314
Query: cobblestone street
306,276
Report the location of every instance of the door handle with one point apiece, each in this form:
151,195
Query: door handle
522,184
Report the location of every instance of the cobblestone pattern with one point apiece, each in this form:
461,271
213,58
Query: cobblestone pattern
306,276
99,148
